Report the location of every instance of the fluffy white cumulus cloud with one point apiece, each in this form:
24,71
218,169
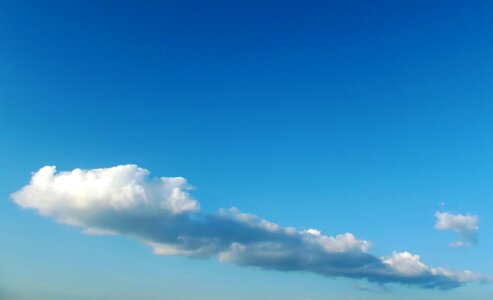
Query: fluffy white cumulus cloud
405,263
75,197
464,225
160,213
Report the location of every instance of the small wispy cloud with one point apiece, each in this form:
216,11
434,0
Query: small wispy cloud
466,226
161,213
373,289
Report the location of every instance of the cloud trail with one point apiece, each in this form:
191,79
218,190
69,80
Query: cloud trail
162,214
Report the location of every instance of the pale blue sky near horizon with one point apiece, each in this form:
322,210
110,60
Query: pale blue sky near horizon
344,116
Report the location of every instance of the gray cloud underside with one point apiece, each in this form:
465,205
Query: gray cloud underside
160,213
217,235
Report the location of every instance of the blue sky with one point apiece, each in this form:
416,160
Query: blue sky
341,116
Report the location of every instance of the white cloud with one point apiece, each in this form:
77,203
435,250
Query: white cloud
75,197
161,214
406,263
340,243
464,225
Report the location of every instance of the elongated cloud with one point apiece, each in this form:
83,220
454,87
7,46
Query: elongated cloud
161,213
464,225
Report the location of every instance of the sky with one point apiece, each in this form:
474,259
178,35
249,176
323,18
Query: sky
309,150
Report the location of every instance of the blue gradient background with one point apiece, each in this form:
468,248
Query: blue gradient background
345,116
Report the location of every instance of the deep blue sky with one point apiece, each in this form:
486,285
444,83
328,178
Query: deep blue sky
346,116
